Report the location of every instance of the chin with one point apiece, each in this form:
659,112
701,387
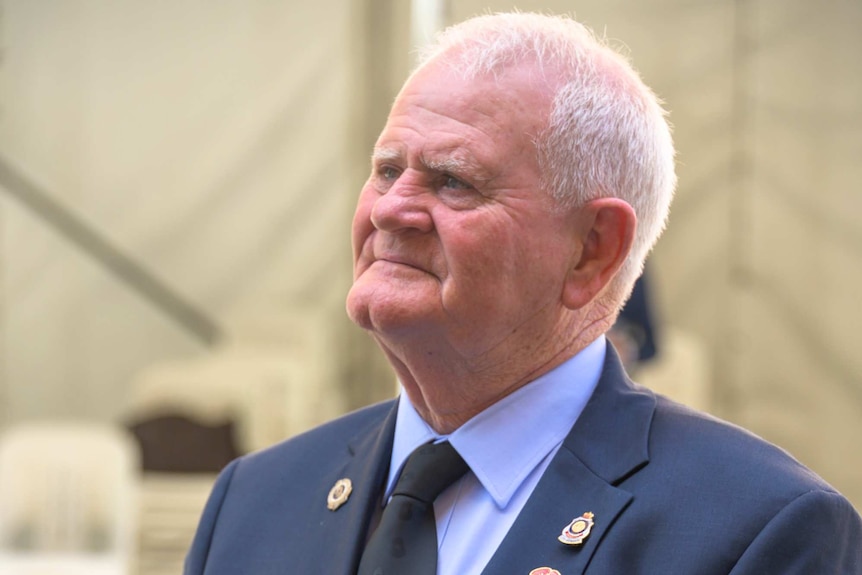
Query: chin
382,315
358,310
387,305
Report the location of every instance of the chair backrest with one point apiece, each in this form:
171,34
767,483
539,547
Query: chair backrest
67,487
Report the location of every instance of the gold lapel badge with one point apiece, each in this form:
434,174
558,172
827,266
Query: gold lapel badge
578,530
544,571
339,493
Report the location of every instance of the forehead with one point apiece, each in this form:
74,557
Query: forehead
451,115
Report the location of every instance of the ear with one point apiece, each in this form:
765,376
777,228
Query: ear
607,229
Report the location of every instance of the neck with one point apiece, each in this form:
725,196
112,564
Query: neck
448,389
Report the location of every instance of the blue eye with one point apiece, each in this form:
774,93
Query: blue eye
455,183
388,173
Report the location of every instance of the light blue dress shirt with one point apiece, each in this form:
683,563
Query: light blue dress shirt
508,447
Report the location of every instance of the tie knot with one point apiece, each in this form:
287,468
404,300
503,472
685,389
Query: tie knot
429,470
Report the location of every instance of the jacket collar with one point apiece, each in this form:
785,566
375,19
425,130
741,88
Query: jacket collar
608,443
366,467
611,437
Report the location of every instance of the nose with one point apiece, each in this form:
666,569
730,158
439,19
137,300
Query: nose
402,207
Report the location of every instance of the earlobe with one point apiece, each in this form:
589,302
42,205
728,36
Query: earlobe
608,229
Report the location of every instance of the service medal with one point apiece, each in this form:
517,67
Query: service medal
578,530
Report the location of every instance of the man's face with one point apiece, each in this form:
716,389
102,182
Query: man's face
453,235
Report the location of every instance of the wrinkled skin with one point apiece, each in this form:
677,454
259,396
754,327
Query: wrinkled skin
461,261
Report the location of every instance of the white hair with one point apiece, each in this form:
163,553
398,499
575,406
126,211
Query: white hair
607,134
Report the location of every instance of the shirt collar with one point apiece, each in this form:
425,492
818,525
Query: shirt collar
505,442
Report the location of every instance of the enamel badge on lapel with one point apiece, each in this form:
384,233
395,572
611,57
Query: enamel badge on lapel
578,530
544,571
339,494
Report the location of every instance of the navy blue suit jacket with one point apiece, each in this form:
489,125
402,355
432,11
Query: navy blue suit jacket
673,492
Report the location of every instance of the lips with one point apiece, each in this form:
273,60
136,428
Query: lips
395,253
397,256
399,260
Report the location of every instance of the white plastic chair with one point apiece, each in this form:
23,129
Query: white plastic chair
67,499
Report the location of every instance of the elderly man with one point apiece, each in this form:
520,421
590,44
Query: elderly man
523,175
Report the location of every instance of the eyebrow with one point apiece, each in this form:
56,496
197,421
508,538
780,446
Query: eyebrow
450,165
385,155
453,163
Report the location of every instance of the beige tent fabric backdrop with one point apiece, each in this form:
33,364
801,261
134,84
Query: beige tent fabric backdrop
209,142
221,145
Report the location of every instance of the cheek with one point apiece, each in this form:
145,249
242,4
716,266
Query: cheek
483,260
514,270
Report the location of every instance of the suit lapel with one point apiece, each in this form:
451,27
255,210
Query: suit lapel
367,467
566,491
608,443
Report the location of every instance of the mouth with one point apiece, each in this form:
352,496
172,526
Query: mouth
399,262
390,256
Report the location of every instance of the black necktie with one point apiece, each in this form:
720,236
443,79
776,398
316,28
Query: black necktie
405,542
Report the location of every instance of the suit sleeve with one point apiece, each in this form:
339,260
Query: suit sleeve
818,532
196,558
